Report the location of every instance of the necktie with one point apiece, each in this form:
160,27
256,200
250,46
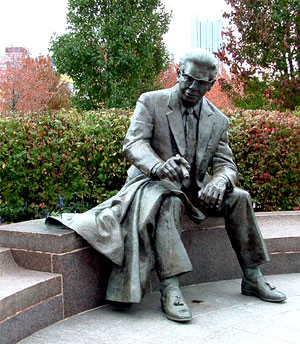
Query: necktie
190,135
190,143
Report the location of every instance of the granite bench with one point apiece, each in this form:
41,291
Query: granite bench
85,272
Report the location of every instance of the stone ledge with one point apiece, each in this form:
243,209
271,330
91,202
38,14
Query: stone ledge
213,259
273,224
36,236
85,272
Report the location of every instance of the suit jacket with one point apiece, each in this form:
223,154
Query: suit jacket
156,133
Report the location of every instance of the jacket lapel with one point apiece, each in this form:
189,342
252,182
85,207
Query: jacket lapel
206,124
175,121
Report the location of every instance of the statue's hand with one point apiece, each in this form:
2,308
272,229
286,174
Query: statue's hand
211,195
176,169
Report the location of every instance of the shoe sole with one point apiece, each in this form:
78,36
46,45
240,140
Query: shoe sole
176,319
253,293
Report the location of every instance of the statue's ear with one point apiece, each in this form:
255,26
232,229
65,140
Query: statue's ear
211,85
178,74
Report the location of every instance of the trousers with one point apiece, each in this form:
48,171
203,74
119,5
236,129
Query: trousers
171,258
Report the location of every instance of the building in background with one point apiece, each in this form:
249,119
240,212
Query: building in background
207,34
12,52
15,51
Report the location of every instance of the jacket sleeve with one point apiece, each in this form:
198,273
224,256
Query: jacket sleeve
222,160
137,144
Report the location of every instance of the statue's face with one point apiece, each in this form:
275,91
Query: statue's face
193,80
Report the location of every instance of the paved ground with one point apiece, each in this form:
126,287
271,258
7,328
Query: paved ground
220,315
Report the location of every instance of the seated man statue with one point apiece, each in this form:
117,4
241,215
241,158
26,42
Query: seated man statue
174,136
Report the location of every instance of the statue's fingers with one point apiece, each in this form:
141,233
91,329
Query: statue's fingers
214,198
181,161
209,200
170,172
185,163
173,163
220,198
184,172
177,168
201,195
207,195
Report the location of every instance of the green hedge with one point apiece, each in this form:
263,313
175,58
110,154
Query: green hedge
67,155
266,149
68,161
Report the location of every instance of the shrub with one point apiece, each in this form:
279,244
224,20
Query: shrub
69,161
254,96
75,155
266,149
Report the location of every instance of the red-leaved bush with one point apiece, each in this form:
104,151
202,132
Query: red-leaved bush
266,149
77,158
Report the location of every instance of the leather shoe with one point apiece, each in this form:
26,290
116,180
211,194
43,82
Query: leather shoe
262,289
121,305
174,305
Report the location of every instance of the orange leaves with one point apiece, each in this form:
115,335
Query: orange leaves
266,148
31,85
168,78
218,96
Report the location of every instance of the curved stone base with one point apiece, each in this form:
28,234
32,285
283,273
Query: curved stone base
85,272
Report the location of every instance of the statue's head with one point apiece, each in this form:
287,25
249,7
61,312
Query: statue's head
196,75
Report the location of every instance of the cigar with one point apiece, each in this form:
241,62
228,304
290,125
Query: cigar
184,171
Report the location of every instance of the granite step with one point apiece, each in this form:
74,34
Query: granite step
221,315
31,245
38,247
85,272
29,300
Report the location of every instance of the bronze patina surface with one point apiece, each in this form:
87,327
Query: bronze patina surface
174,136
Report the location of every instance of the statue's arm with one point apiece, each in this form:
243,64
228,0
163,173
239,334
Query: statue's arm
137,144
225,175
222,161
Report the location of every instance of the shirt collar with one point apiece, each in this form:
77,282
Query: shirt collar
197,108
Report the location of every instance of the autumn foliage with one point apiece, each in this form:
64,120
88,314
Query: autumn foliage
266,149
41,154
168,77
261,47
217,95
31,85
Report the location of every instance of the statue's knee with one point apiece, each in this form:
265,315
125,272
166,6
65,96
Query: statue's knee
241,194
173,204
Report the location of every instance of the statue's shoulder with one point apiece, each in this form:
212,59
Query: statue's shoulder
215,110
157,95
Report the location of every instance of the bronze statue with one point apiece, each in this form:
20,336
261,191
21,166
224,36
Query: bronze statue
174,136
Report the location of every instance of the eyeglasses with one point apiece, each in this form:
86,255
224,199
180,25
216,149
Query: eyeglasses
190,80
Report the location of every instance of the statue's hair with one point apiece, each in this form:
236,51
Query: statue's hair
201,57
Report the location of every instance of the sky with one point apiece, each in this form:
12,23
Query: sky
31,23
178,39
